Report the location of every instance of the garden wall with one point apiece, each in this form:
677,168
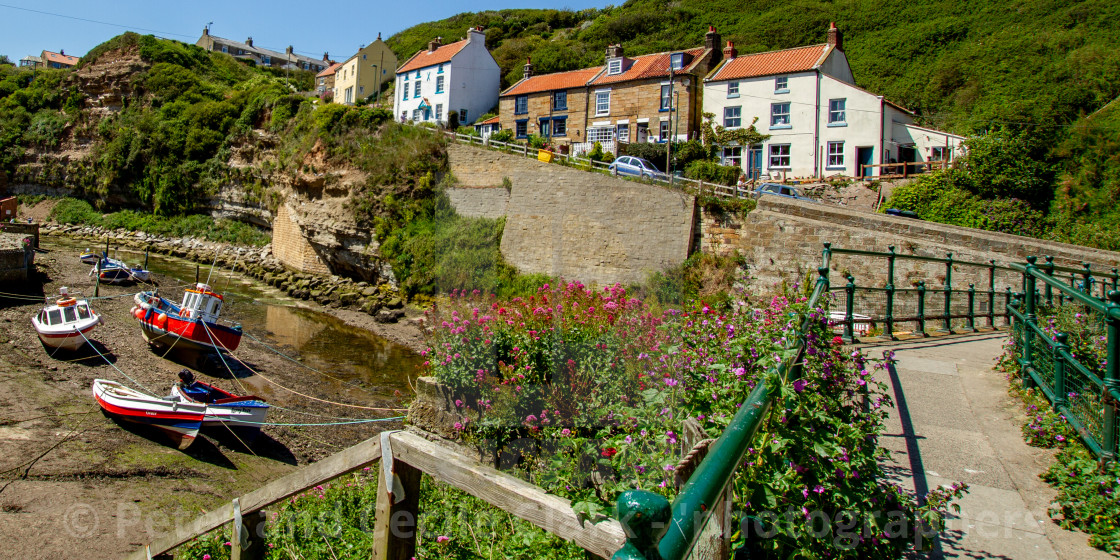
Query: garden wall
572,223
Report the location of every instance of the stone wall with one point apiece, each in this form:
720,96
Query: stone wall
782,241
578,225
15,259
291,247
481,202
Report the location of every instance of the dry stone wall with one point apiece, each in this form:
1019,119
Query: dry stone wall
579,225
291,247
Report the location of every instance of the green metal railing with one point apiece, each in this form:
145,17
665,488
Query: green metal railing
922,305
1087,401
656,529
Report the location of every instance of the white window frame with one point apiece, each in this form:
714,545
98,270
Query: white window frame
779,156
439,111
614,67
780,115
835,155
733,114
600,134
439,84
781,84
600,107
732,155
732,90
666,97
416,89
622,132
663,131
838,111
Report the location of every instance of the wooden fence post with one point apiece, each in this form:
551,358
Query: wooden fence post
396,522
247,541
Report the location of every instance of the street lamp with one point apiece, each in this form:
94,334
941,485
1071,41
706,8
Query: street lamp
378,90
676,62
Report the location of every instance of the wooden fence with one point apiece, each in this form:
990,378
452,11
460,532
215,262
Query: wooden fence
404,456
902,169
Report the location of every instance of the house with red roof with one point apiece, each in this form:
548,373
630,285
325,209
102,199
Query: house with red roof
59,59
819,121
549,105
324,81
451,84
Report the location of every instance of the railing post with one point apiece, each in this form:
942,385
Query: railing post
992,293
922,308
644,517
849,308
972,307
1087,278
826,255
247,541
396,517
1060,370
1049,269
1032,318
1111,374
889,327
948,291
1006,304
1115,279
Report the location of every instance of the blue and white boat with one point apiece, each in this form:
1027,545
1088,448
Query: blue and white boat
222,407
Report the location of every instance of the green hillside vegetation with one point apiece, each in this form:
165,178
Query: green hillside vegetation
1033,73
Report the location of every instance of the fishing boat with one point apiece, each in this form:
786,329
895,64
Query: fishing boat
89,257
115,271
222,407
65,324
191,326
180,420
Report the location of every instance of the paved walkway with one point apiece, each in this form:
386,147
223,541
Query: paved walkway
954,421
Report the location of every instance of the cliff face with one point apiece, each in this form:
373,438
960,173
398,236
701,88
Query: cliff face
252,184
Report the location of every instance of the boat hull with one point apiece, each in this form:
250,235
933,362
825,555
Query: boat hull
180,421
66,341
224,408
163,327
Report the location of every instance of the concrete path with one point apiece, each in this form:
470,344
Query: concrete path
954,421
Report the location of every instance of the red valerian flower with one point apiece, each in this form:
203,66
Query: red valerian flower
609,452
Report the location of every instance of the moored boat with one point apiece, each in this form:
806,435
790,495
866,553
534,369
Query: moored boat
180,420
191,326
66,323
222,407
115,271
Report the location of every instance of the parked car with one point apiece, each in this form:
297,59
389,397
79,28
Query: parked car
902,213
630,165
780,190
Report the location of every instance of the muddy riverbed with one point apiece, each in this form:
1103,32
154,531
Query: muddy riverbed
77,484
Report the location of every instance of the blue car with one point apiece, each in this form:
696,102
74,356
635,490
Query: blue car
780,190
636,166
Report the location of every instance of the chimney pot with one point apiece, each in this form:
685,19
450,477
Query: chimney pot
528,73
711,39
835,37
249,41
729,51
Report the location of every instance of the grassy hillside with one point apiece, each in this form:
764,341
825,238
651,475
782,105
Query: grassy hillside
1032,72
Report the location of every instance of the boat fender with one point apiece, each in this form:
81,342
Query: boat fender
186,313
161,320
66,302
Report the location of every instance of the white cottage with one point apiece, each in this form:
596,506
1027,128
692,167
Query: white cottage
454,83
820,123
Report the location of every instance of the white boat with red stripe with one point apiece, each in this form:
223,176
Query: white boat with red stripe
179,419
66,323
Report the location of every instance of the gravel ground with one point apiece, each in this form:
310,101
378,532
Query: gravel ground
77,484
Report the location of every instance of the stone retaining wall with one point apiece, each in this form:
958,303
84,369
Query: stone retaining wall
574,224
291,247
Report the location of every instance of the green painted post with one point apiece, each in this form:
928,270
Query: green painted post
1029,312
1049,269
1111,374
644,517
992,293
889,331
1060,370
1115,279
1006,303
972,307
922,308
822,271
948,291
1087,278
849,309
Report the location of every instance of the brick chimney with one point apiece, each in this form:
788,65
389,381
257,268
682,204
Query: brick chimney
326,57
435,44
476,34
206,31
528,73
835,38
614,51
729,51
249,41
711,38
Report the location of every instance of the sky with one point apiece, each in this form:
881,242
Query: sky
77,26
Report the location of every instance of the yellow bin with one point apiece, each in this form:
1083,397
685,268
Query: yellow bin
544,155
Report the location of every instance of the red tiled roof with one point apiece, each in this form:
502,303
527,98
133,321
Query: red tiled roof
553,82
648,66
425,58
60,58
329,71
797,59
491,120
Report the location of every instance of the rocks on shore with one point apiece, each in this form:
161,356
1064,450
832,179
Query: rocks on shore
383,302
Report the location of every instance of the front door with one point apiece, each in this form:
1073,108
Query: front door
865,156
754,162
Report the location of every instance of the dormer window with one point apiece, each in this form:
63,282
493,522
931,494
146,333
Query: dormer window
676,61
440,71
614,67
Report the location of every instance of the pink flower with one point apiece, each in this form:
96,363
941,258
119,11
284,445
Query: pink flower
205,557
442,539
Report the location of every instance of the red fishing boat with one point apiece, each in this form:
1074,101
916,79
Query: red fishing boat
191,326
179,419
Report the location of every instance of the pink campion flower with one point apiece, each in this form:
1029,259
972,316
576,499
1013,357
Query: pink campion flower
205,557
799,385
442,539
566,432
672,438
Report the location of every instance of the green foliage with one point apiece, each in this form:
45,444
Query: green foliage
502,136
703,276
74,211
597,154
947,197
1004,164
1087,496
46,128
713,172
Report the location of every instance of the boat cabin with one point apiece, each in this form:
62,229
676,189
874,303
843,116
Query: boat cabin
201,303
66,311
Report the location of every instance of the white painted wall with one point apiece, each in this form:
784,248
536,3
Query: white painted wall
471,82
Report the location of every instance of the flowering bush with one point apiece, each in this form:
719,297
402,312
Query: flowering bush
1087,496
588,393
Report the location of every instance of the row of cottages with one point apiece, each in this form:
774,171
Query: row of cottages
361,76
449,85
288,59
49,59
648,98
820,123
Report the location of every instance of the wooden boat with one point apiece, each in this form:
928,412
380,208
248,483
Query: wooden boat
191,326
180,420
115,271
222,407
66,323
89,257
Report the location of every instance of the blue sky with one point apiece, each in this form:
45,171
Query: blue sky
311,27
